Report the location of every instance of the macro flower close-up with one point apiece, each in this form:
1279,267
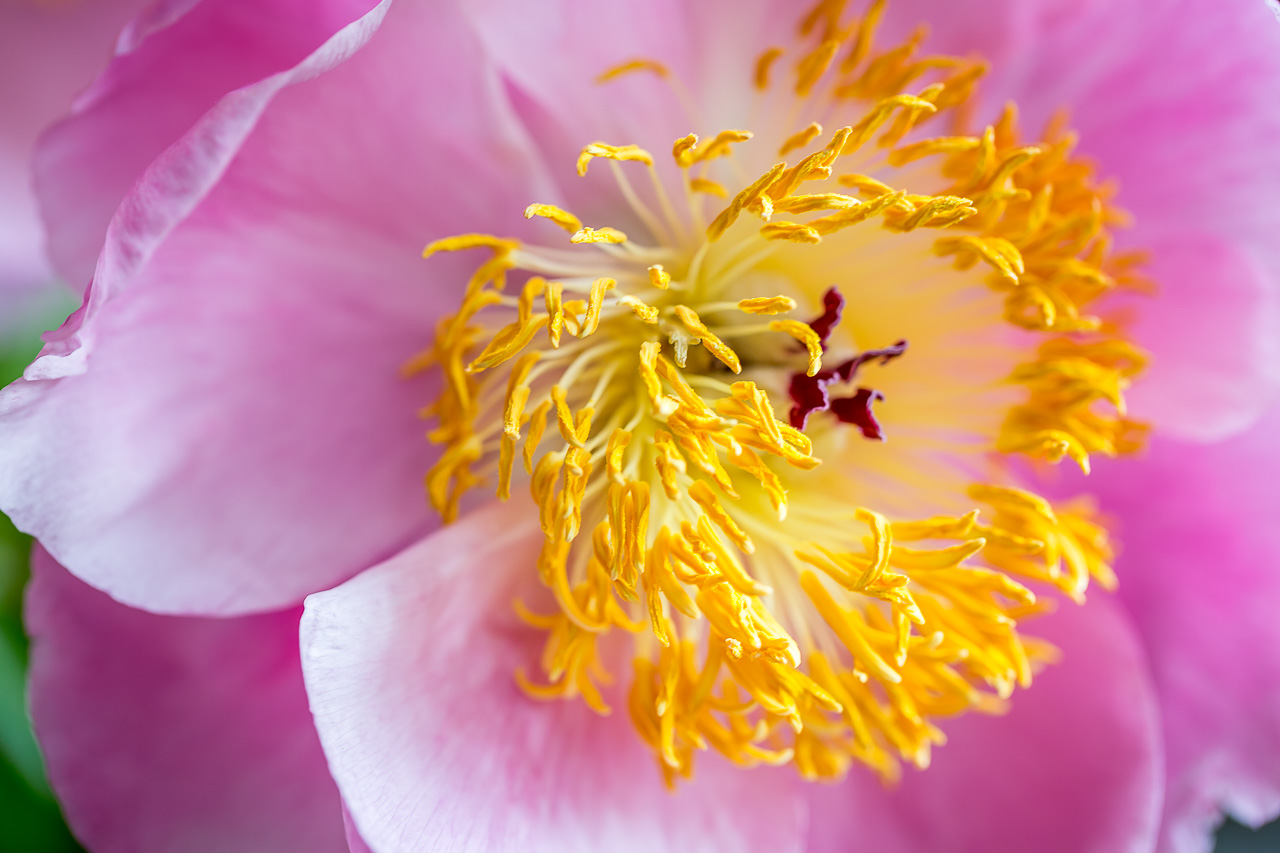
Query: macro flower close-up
685,425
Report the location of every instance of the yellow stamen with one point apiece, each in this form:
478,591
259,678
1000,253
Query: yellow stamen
462,242
659,277
612,152
714,345
598,235
805,334
563,218
800,139
720,146
763,64
813,66
708,186
632,66
751,193
767,305
691,492
644,311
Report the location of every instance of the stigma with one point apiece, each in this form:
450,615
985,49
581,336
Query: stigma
764,418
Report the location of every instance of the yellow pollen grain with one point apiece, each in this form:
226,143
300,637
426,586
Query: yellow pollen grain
682,150
866,185
506,466
882,112
595,304
669,462
999,253
553,295
713,344
811,68
814,202
865,37
564,418
606,151
942,211
763,65
815,167
708,186
805,334
645,312
532,289
931,147
662,405
748,195
882,540
767,305
935,528
537,425
517,394
794,232
463,242
800,139
507,343
632,66
721,145
702,495
659,277
618,441
563,218
855,215
598,235
825,12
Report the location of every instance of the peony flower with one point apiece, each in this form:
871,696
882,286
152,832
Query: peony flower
50,52
715,610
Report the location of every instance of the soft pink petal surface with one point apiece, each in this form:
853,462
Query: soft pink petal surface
243,409
1199,580
409,669
1074,767
164,733
48,53
174,64
1214,334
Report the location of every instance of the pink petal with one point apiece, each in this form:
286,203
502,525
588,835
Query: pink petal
243,409
173,66
355,842
1214,332
996,30
165,733
552,53
1187,126
48,52
549,55
1075,766
409,669
1198,576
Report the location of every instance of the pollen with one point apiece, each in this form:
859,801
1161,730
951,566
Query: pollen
685,408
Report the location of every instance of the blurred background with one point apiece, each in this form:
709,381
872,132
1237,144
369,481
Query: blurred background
49,51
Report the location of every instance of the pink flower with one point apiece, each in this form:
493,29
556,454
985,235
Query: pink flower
225,428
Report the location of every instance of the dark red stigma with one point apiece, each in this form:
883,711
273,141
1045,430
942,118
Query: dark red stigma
809,393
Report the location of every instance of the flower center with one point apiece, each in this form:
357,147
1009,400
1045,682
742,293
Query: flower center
691,404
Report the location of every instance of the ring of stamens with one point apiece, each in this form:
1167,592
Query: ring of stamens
635,385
